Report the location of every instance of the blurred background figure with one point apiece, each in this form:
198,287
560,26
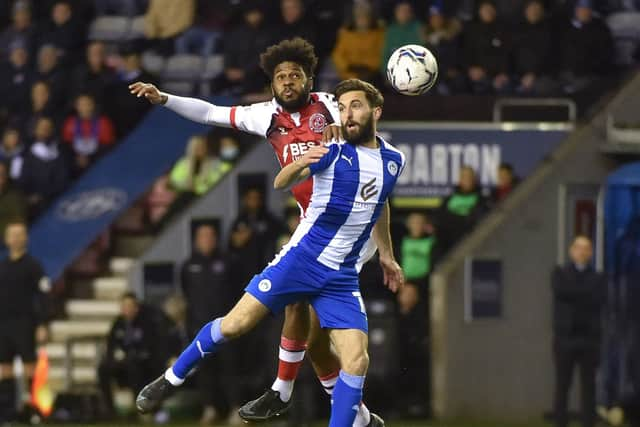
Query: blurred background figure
165,20
12,202
507,181
358,49
23,314
405,29
579,294
206,285
135,351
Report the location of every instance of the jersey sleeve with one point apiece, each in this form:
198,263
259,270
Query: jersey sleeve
329,100
326,160
403,162
254,118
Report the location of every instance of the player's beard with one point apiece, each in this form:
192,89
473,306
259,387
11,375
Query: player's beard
363,134
296,104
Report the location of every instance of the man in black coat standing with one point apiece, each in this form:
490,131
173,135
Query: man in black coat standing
205,282
579,293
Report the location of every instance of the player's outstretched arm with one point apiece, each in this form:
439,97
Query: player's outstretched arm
190,108
393,276
299,170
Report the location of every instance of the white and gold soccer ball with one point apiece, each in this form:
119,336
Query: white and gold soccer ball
412,70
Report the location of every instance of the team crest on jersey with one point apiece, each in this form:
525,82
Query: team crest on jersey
317,122
264,285
392,167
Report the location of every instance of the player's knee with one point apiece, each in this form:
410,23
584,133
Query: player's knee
356,362
233,327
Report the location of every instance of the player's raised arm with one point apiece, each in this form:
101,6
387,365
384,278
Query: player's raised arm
393,276
299,170
190,108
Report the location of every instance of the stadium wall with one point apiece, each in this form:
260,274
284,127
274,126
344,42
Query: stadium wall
501,368
221,205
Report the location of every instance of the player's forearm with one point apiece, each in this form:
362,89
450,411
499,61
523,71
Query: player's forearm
290,174
382,233
198,111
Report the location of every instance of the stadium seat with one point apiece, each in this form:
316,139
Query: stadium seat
214,65
153,63
110,28
137,28
183,67
178,87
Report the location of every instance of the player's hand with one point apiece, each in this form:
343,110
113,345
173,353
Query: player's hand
392,272
331,132
312,156
148,91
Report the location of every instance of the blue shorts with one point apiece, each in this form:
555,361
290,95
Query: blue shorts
296,276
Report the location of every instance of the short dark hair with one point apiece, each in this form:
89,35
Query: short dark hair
373,95
296,50
130,295
506,166
16,221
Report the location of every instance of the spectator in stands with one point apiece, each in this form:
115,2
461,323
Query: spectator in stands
94,76
358,49
22,31
51,71
65,31
205,284
15,81
486,51
507,180
23,314
197,172
579,293
417,254
131,8
242,49
12,202
461,211
160,200
203,37
165,20
405,29
587,50
229,149
295,22
41,106
45,173
443,39
253,236
134,354
12,152
532,51
88,132
125,110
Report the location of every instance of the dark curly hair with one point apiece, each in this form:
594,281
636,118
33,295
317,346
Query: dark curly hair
296,50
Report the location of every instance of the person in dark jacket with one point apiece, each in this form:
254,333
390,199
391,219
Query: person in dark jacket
15,81
486,51
23,313
532,51
135,350
242,49
579,293
587,49
507,181
45,173
205,283
461,211
12,202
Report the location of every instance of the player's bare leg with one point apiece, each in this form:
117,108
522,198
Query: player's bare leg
327,367
241,319
351,346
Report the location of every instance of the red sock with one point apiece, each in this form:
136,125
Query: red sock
291,358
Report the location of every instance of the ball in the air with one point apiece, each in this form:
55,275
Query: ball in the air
412,70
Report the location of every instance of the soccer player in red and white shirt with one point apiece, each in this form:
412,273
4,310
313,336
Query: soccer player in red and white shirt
293,121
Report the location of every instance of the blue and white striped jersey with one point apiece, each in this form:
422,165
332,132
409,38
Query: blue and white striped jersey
350,187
